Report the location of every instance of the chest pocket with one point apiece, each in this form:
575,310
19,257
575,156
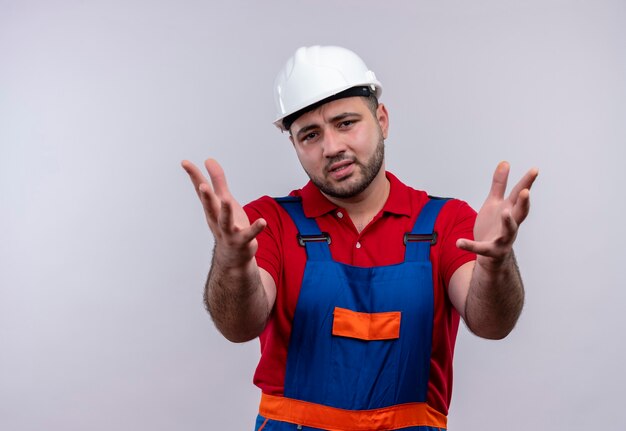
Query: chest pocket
366,326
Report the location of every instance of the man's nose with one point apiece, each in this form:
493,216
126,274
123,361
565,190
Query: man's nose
333,144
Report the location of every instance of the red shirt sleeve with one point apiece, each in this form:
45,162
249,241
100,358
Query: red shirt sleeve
456,221
269,253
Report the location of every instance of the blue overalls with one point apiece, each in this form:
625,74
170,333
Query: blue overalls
359,352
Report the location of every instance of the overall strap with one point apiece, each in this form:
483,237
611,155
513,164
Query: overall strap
423,235
309,234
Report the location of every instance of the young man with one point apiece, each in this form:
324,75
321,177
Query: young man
355,283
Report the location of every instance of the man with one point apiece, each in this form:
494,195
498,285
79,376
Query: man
355,283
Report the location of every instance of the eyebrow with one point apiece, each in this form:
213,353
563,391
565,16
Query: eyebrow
334,119
306,129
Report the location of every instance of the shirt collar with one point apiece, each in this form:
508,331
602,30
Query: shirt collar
315,204
399,200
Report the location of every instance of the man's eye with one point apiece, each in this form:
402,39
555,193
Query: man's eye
309,136
346,123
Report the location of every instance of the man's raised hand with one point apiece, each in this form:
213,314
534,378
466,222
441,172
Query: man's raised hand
499,218
235,237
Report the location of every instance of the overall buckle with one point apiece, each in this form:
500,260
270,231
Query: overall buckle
421,237
324,236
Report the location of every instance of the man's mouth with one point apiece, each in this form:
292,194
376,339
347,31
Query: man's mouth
341,169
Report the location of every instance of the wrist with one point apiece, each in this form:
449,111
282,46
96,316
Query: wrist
230,259
494,265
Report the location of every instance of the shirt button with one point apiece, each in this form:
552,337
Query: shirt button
339,214
358,245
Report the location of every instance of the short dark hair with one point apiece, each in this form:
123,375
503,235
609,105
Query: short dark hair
372,103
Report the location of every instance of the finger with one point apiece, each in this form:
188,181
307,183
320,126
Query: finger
225,220
478,247
525,182
255,229
483,248
194,174
522,206
509,229
218,178
498,183
210,203
204,191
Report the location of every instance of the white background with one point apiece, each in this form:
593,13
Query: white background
104,248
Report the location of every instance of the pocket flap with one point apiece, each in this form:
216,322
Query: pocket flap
366,326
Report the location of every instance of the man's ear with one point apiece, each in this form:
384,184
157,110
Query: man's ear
291,139
383,119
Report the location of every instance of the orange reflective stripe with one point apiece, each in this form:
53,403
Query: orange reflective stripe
366,326
334,419
263,425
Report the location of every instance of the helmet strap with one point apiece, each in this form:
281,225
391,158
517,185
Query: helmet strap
363,91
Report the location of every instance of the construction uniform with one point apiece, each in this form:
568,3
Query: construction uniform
351,346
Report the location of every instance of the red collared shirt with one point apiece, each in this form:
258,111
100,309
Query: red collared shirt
379,244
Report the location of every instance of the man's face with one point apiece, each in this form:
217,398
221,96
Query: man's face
341,146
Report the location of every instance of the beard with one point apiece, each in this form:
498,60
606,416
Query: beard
369,169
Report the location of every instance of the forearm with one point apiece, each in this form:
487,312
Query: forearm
236,300
237,294
495,298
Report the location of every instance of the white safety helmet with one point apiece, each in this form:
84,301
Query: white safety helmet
316,73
